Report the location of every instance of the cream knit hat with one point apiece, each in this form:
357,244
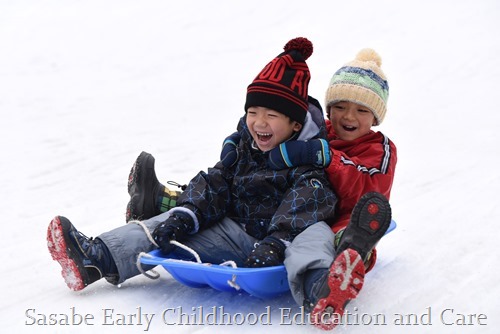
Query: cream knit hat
361,81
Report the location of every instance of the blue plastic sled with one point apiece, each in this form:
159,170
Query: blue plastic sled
263,283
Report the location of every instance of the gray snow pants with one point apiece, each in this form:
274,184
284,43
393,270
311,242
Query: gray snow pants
225,241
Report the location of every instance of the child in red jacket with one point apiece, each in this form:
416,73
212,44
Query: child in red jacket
362,160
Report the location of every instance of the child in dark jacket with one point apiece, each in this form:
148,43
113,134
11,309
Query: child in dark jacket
227,210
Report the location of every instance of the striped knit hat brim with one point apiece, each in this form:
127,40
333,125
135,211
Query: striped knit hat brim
363,82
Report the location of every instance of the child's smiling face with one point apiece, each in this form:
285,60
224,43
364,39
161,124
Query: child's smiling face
351,120
269,128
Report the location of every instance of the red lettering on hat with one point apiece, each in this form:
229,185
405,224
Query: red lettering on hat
299,83
273,71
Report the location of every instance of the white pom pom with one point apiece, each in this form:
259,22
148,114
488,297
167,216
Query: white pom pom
369,55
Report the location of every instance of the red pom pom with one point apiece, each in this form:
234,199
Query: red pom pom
301,44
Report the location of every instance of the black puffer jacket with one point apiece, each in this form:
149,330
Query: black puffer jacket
282,203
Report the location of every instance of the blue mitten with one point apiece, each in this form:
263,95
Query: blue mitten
296,153
269,252
174,228
229,153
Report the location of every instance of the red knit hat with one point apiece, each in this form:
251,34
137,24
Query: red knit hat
283,84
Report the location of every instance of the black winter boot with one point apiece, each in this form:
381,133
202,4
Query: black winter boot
83,260
144,189
370,219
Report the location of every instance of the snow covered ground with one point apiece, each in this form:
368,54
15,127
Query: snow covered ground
86,85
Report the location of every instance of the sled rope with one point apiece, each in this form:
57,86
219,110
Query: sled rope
232,282
138,263
186,248
148,234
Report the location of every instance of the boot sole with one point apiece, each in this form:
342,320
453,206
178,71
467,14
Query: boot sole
345,280
61,251
370,219
136,207
141,164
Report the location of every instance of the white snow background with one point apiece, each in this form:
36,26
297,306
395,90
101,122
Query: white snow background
85,86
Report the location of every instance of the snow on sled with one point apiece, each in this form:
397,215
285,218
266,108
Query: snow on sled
266,282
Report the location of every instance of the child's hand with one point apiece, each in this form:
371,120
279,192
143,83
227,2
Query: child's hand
269,252
296,153
174,228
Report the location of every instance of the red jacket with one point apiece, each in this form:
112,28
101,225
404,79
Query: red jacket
359,166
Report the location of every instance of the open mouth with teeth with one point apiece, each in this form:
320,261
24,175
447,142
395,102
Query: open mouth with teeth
349,128
264,137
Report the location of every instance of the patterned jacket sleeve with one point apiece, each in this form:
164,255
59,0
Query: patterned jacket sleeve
207,195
